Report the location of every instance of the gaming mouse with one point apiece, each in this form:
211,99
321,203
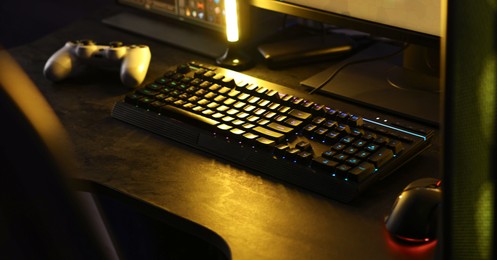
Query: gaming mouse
414,214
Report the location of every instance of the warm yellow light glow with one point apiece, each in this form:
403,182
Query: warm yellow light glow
486,96
231,20
485,219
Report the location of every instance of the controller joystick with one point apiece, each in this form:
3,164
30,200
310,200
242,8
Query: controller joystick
132,60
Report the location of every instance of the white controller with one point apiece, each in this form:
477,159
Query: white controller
132,60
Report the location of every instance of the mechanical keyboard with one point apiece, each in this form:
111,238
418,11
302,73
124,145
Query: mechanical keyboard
299,138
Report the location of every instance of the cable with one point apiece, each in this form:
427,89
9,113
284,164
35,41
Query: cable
335,73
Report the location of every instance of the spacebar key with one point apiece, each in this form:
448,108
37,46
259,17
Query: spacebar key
188,117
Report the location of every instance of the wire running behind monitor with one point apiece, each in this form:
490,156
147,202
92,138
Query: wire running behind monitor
405,85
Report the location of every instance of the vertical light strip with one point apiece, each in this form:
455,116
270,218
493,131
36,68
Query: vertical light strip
487,105
231,20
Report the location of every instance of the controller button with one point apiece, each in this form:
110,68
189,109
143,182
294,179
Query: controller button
116,44
87,42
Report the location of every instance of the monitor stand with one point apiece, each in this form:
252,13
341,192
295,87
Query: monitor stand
180,34
383,84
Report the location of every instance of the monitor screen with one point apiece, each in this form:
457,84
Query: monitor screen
418,15
208,13
416,21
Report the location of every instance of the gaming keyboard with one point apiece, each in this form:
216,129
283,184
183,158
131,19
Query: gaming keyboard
299,138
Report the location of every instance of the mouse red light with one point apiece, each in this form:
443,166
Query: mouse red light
414,240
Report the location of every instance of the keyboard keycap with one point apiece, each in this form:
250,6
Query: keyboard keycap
300,114
381,157
268,133
280,128
188,117
361,171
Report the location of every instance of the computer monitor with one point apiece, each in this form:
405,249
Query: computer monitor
197,26
405,85
194,25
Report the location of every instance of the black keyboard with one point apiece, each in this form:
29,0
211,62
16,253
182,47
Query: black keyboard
299,138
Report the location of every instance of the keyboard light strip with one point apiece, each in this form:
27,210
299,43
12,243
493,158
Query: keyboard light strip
394,128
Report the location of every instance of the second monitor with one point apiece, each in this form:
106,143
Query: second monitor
406,84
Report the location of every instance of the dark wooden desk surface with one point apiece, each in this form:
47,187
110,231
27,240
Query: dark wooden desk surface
259,217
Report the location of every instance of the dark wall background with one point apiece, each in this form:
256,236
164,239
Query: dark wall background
22,21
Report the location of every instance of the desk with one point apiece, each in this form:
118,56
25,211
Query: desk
258,216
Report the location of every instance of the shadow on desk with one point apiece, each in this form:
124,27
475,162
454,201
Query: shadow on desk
41,215
144,231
